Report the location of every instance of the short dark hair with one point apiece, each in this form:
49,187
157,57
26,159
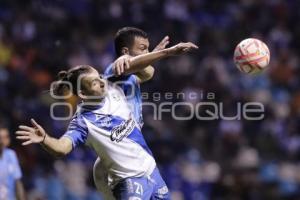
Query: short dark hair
125,38
71,76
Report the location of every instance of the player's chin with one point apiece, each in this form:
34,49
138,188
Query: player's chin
102,92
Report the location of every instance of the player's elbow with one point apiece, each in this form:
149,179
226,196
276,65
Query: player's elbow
148,73
59,155
151,73
61,152
63,147
145,74
20,192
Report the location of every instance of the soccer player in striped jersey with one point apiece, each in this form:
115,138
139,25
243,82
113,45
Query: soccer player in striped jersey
104,122
128,42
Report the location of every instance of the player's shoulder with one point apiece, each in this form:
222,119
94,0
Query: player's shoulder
10,152
108,71
77,119
123,79
110,76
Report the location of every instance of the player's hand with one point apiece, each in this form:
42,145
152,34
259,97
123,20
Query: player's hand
162,45
181,48
121,64
30,135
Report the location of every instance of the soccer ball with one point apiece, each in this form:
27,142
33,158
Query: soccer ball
251,56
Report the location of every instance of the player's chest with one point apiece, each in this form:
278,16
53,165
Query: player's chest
7,169
116,106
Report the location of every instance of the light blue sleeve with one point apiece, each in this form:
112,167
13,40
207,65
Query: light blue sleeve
77,131
130,86
108,73
128,83
17,173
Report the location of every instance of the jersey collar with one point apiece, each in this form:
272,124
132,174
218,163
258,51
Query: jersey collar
92,106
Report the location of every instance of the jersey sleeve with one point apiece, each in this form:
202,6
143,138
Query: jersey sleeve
121,80
128,83
17,173
77,131
108,73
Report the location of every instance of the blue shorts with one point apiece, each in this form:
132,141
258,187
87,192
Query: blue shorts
142,188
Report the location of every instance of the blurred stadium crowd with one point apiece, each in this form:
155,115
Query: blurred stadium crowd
219,159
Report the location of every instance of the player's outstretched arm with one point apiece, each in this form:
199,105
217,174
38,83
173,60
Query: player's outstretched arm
19,190
138,63
148,72
36,134
121,64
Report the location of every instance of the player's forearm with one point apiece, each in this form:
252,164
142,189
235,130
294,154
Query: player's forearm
140,62
56,147
20,192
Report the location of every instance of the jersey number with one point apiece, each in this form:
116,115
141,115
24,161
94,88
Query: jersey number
139,188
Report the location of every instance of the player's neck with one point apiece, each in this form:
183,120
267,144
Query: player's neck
93,101
93,104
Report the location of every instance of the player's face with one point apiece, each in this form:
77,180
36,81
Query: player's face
4,138
93,85
140,46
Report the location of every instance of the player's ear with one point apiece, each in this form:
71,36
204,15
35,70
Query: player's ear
125,51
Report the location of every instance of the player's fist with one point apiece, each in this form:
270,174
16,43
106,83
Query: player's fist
181,48
30,135
121,65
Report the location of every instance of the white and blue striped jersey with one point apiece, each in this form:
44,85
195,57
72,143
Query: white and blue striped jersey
112,131
132,91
